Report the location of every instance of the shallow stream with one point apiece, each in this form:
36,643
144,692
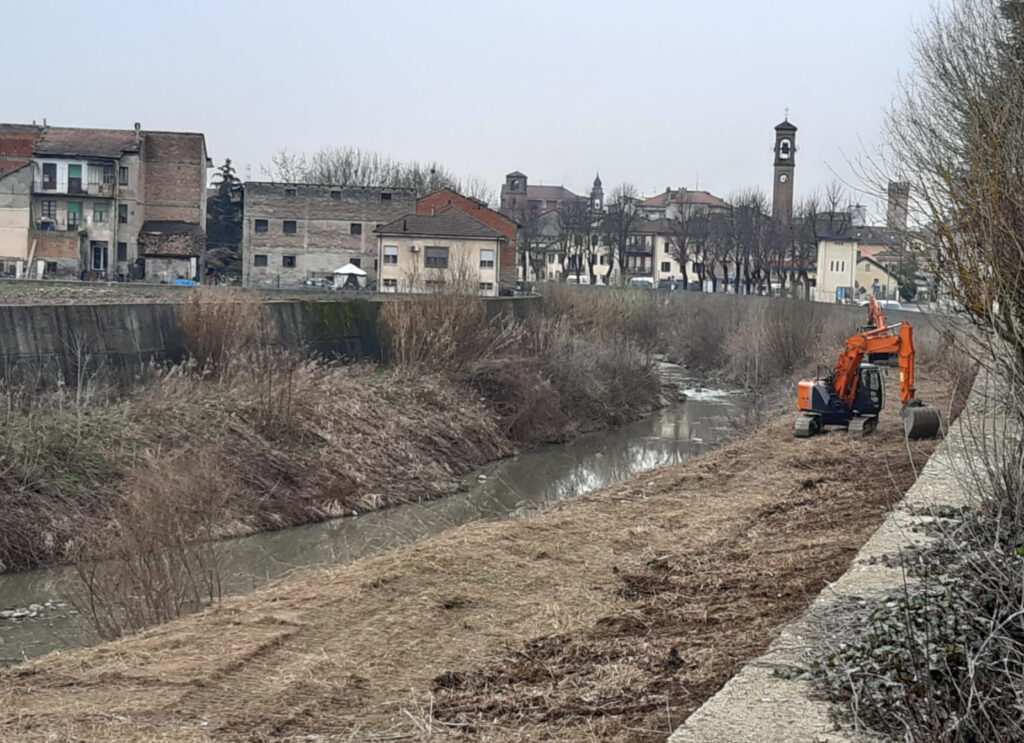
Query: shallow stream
44,621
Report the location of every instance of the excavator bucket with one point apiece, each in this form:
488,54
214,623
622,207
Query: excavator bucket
921,421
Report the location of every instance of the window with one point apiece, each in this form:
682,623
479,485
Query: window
259,261
486,286
108,174
437,257
356,228
357,262
666,266
390,255
99,255
51,266
551,258
486,259
336,195
122,213
604,260
49,176
289,192
391,284
288,261
74,179
74,214
385,197
49,209
289,227
99,211
122,175
95,175
261,225
122,252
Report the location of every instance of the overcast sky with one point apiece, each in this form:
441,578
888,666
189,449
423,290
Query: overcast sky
653,93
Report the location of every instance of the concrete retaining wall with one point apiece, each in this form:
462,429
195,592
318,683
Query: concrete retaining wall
40,344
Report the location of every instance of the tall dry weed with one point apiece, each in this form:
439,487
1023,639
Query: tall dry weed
218,325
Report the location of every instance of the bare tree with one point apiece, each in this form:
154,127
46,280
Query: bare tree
619,223
351,166
749,228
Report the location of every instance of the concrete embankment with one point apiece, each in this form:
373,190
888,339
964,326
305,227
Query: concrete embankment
67,341
761,705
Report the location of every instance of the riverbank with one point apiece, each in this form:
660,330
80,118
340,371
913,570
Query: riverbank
610,617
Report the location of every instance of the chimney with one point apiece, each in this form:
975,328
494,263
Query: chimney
405,225
431,211
138,133
44,121
899,204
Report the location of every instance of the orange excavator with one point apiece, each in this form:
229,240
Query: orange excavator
852,395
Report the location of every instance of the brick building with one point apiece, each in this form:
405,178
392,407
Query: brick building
297,231
438,201
102,203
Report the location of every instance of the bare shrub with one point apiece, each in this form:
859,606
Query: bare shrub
443,331
153,559
218,325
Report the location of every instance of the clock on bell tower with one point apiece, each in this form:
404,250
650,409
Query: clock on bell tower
785,162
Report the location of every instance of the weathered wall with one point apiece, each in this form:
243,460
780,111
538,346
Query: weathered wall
43,343
325,218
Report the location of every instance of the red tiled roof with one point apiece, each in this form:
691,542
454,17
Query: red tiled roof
684,196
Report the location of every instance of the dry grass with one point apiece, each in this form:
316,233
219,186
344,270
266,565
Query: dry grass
610,617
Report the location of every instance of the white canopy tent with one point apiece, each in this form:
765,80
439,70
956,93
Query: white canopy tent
349,275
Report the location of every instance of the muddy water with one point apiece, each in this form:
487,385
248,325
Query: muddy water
507,488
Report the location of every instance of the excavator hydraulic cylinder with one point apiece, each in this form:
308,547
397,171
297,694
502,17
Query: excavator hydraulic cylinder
920,421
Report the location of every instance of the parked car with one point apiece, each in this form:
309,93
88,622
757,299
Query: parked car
641,282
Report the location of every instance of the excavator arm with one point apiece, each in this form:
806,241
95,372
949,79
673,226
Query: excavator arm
898,339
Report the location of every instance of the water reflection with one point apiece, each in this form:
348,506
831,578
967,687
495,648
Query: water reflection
511,487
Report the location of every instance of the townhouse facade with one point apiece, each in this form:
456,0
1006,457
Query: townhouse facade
102,203
445,251
438,201
292,232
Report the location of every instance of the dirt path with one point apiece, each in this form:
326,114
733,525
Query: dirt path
611,617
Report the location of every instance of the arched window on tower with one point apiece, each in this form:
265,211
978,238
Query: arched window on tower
785,149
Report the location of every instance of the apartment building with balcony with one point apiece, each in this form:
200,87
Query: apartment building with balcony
102,203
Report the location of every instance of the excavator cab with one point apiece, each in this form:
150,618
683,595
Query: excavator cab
870,391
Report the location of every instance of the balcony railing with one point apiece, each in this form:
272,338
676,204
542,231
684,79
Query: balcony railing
638,270
101,189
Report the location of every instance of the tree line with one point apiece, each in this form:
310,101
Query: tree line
739,245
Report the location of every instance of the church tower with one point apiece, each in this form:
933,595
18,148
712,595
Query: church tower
597,195
514,201
782,188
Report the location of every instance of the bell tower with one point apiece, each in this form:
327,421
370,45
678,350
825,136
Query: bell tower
597,195
514,200
782,188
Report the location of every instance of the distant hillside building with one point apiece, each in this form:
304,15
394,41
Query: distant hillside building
297,231
102,203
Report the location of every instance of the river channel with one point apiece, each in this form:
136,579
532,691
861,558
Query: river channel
504,489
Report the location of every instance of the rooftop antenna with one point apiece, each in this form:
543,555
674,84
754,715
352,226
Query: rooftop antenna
697,186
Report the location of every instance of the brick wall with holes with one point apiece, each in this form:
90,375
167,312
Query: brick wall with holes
292,232
174,177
